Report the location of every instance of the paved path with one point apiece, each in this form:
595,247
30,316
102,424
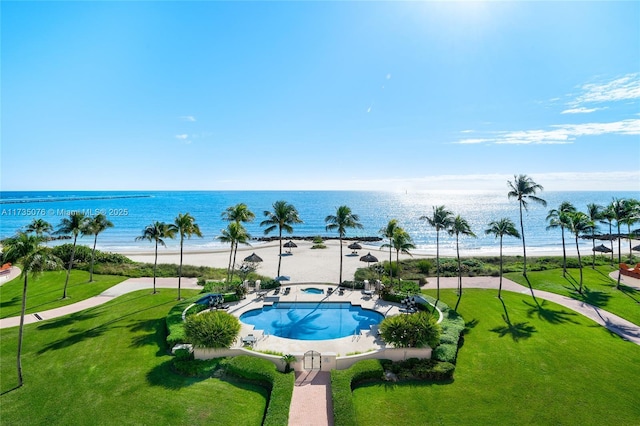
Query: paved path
311,402
13,272
132,284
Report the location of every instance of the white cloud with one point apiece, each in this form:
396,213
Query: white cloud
560,134
581,110
466,131
369,109
388,76
182,136
623,88
190,118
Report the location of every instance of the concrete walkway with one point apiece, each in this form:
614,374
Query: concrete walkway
128,286
311,402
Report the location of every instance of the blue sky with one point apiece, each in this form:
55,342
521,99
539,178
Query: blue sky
319,95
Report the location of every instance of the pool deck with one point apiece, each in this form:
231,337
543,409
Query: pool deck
365,341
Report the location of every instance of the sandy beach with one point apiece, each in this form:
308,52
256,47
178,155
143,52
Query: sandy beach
306,265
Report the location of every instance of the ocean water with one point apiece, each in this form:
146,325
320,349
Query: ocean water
131,211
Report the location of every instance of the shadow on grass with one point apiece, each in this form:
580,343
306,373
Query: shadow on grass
10,390
78,336
593,297
470,325
517,331
163,375
413,383
549,315
67,320
619,330
630,292
155,335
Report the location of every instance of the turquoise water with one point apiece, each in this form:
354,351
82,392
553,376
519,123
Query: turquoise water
312,321
131,211
313,290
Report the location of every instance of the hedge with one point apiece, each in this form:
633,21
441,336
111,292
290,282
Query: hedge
452,327
175,325
264,373
342,384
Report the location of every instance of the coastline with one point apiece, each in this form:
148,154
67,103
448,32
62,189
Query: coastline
306,265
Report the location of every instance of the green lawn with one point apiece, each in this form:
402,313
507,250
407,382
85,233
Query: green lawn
45,291
598,289
544,366
108,365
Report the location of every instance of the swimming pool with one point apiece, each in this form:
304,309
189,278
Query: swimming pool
313,290
312,320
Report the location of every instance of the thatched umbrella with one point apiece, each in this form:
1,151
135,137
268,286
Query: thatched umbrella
254,258
369,258
355,247
636,248
603,249
290,244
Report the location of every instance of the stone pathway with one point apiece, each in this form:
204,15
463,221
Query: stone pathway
311,403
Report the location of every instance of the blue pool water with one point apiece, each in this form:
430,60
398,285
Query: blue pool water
312,320
312,290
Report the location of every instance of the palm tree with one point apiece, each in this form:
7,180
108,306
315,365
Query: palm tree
283,216
523,188
185,225
33,258
460,226
39,227
440,219
579,223
401,242
95,226
618,211
387,232
234,234
557,219
156,232
631,216
75,225
500,228
239,213
594,212
607,217
341,221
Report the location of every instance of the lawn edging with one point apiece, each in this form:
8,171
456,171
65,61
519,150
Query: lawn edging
342,384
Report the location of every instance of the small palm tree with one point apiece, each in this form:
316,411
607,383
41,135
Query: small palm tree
579,224
460,226
401,242
557,219
341,221
500,228
594,212
607,217
524,189
618,210
75,225
441,219
33,258
387,232
95,226
282,217
156,232
184,225
234,234
239,213
631,216
39,227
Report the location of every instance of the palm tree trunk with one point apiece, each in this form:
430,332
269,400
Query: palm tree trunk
73,254
229,266
233,264
390,269
459,267
593,246
564,254
524,245
619,243
398,265
579,263
93,253
155,266
340,279
629,238
280,253
437,265
21,329
611,243
500,287
180,267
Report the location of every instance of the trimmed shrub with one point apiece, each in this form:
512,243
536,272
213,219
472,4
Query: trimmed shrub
216,329
424,266
175,325
422,369
342,384
412,331
184,364
264,373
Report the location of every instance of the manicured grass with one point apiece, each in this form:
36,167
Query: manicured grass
109,365
598,289
44,291
546,365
